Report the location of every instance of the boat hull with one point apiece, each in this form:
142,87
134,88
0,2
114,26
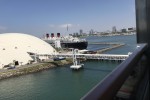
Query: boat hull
77,66
76,45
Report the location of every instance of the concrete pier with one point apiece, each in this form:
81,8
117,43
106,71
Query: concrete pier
114,57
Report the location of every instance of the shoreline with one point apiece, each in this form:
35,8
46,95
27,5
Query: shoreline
32,68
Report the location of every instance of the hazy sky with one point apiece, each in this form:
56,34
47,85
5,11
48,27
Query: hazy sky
38,17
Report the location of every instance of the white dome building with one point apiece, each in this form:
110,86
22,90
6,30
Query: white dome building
18,47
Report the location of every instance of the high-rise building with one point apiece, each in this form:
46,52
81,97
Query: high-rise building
124,30
81,32
114,30
91,31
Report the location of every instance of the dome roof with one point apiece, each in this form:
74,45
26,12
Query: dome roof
15,46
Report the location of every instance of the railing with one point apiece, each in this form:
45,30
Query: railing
108,88
96,56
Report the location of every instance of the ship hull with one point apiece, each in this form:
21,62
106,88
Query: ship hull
76,45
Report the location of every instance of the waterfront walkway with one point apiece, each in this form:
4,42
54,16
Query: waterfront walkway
113,57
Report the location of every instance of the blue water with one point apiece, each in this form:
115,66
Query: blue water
95,47
129,40
62,83
56,84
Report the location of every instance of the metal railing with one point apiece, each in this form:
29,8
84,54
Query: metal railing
108,87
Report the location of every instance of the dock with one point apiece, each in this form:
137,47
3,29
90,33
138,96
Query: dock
112,57
98,56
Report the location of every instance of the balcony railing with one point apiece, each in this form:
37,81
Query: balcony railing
108,87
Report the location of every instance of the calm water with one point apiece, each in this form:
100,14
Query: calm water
62,83
130,43
55,84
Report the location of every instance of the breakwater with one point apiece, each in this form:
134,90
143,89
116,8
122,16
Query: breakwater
113,46
103,43
27,69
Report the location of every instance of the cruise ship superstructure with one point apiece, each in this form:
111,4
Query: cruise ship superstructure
65,41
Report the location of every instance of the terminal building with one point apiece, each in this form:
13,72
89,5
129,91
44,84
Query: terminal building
21,49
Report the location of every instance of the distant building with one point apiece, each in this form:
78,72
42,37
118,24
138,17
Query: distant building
124,30
81,32
114,30
130,29
91,31
76,34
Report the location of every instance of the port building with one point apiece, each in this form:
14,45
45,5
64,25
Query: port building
22,49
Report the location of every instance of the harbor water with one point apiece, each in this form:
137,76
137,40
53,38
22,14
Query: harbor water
129,40
62,83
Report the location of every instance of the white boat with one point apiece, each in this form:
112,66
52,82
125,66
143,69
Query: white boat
76,66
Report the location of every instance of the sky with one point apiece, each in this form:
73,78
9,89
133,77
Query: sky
38,17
